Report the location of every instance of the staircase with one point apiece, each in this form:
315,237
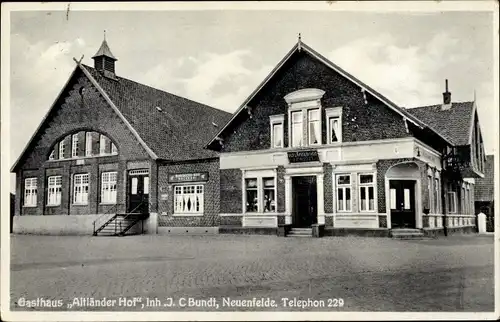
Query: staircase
407,233
300,232
120,224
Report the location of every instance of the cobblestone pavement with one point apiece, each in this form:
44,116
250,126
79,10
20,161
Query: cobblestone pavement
368,274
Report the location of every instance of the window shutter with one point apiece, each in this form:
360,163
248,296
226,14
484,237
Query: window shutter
67,147
95,143
81,144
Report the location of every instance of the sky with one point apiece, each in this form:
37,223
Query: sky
219,57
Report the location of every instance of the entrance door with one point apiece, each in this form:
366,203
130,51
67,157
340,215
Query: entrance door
304,209
138,193
402,203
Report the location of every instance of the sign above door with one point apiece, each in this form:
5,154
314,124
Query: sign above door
187,177
303,156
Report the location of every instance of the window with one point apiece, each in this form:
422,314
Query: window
462,201
437,197
102,144
114,150
146,185
276,122
108,187
366,192
62,148
452,201
334,124
429,193
314,129
88,144
51,156
74,146
251,195
188,199
81,189
269,197
297,129
344,192
54,191
30,192
393,198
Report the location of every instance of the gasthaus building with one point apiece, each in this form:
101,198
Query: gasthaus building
113,156
314,151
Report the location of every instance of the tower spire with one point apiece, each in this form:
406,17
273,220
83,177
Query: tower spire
104,60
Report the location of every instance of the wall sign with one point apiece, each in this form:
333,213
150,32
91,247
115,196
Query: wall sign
303,156
187,177
164,196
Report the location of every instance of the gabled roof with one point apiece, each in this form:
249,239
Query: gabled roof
169,127
104,51
454,123
301,46
484,188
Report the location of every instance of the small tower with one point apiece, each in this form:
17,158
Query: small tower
104,60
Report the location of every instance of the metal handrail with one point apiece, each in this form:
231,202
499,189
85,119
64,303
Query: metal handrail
99,219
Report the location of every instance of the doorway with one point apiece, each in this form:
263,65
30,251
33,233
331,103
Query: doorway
402,203
138,192
304,197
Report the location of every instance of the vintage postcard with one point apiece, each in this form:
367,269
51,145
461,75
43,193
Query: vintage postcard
249,161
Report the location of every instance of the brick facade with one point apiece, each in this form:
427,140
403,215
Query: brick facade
230,191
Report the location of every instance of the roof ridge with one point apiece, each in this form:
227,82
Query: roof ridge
435,105
163,91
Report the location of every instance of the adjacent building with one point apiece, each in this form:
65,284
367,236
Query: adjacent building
484,193
110,146
313,146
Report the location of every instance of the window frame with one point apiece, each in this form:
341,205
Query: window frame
452,196
372,184
343,187
182,188
437,195
309,122
54,189
102,144
333,113
82,186
32,189
259,176
277,120
292,123
430,193
88,144
107,187
62,149
74,145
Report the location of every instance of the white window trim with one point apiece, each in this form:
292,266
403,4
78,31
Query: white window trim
333,112
55,186
102,144
320,124
28,183
51,155
277,120
74,145
259,175
374,185
103,183
437,194
81,185
290,129
430,191
335,192
62,149
202,206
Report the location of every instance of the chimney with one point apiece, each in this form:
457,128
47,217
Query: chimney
446,97
104,60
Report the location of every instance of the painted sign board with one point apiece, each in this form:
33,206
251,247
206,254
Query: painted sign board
303,156
187,177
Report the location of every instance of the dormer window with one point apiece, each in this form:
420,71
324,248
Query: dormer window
276,122
334,124
304,113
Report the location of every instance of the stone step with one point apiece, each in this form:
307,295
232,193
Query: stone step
298,235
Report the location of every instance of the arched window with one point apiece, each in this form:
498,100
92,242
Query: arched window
83,144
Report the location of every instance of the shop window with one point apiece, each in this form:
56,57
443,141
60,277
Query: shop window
269,196
54,188
30,192
366,192
452,202
252,199
344,201
108,187
81,189
188,199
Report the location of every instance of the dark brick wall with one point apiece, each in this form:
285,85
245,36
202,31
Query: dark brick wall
328,188
231,221
72,114
230,191
211,194
303,71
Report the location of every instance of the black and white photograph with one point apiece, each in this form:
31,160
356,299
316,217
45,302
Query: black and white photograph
249,161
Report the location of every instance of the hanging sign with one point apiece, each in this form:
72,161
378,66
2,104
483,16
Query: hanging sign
303,156
187,177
